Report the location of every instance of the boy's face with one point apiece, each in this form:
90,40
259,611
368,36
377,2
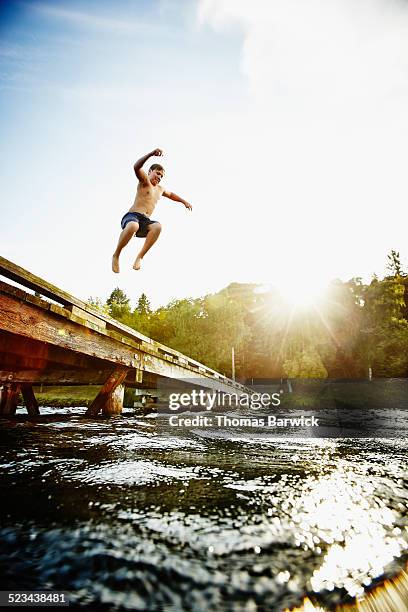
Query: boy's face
155,176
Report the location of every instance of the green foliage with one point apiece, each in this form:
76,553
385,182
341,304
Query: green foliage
203,328
384,330
305,363
97,304
355,326
143,305
119,305
394,264
118,297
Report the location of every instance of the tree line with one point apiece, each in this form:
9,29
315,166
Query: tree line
354,327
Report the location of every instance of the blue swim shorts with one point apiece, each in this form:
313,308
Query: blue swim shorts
141,219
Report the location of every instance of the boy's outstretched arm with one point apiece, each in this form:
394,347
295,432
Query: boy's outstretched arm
138,167
176,198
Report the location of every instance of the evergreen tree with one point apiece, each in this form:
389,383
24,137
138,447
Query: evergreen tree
384,331
394,264
119,305
143,305
395,267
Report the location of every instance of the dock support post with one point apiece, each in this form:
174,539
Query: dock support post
115,403
110,397
9,399
30,400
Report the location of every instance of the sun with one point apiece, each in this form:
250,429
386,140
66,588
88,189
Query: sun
295,293
301,293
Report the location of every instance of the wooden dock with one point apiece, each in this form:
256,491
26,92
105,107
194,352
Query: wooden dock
49,337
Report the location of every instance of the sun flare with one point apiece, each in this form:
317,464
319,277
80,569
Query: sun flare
298,292
301,293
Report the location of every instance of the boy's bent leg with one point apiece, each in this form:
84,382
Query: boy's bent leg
126,234
153,232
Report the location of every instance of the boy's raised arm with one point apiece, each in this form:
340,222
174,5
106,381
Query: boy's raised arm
176,198
138,167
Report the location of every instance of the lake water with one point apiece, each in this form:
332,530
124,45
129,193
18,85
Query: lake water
130,514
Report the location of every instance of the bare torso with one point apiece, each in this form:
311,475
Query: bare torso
147,196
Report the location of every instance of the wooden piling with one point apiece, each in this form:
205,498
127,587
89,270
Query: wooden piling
30,400
9,399
110,397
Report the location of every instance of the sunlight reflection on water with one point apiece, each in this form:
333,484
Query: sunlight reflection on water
231,520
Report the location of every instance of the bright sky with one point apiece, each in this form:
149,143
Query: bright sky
284,123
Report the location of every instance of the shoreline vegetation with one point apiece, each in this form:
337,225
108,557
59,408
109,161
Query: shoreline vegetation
73,396
65,396
351,331
307,394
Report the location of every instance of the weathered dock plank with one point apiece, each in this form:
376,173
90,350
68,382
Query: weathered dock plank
56,377
24,319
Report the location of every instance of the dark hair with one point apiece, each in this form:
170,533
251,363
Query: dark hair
156,167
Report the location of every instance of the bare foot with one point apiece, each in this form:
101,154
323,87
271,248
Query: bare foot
115,263
137,264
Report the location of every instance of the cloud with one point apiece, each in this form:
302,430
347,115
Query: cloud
326,126
93,21
315,53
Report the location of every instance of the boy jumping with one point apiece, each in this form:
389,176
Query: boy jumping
137,221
